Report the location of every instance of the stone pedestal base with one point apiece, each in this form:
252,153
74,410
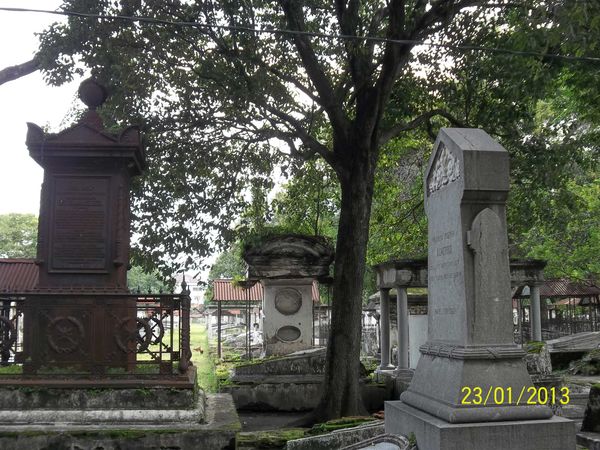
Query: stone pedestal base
433,433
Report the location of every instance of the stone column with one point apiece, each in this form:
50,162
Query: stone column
384,323
402,299
536,314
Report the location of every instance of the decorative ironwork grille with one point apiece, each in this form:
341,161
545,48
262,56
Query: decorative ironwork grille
130,336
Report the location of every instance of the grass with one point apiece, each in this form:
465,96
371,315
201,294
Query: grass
203,360
11,370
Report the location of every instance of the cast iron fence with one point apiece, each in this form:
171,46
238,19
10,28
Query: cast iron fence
97,335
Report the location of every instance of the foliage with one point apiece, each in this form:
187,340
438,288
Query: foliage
570,239
142,281
398,227
229,264
18,235
310,202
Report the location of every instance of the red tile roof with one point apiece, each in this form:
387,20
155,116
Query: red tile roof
567,288
224,290
17,275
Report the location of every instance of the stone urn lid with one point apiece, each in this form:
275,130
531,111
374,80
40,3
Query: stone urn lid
289,256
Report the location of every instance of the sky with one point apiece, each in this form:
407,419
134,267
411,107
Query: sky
27,99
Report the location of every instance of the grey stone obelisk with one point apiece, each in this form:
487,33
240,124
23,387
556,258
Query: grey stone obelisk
470,341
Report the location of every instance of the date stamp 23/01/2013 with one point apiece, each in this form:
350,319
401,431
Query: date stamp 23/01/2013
528,395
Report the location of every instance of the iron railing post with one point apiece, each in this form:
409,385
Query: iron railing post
184,326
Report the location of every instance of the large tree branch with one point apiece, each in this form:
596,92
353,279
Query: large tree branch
295,18
307,139
20,70
441,12
391,133
396,55
357,56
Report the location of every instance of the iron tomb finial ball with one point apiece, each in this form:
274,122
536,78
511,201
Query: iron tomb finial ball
92,93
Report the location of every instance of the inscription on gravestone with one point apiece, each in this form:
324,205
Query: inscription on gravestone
79,232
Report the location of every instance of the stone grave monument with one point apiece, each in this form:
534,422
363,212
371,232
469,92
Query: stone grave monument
470,352
83,243
287,266
101,367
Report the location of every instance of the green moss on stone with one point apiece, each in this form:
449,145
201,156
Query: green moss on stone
113,434
272,440
338,424
534,347
412,439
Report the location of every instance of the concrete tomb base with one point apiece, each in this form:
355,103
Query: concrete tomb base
433,433
217,430
290,383
441,391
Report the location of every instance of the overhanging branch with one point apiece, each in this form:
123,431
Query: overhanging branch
295,19
20,70
308,140
391,133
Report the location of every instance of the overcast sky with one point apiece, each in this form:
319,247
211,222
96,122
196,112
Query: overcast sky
27,99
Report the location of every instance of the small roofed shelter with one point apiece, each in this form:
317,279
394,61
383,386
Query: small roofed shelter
287,266
398,274
568,306
17,275
233,301
401,274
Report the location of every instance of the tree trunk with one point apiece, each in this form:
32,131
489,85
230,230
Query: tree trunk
341,391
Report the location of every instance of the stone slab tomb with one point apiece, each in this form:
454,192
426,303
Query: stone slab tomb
287,265
470,342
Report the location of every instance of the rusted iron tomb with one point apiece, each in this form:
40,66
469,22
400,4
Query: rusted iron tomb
80,325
